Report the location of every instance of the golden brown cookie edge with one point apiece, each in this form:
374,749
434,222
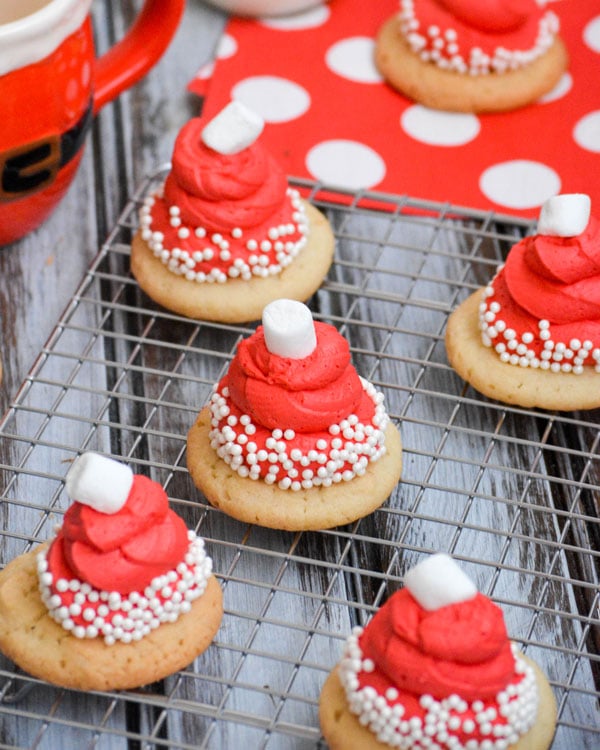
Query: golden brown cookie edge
42,648
446,90
529,387
254,501
343,731
237,300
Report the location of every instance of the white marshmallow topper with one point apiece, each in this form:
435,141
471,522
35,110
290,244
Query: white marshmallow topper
565,215
289,329
235,128
100,482
439,581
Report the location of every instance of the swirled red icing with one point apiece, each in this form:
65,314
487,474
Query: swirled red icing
306,395
494,16
478,37
298,422
462,649
123,551
445,676
221,216
223,191
543,307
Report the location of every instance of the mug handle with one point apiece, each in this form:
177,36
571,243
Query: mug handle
132,57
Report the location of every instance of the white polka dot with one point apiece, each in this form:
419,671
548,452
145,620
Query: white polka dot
206,71
227,47
438,128
519,184
561,89
353,59
299,21
586,132
345,164
274,99
591,34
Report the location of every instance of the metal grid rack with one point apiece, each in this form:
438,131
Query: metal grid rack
511,493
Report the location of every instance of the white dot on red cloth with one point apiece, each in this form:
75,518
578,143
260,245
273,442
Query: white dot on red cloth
586,132
308,19
274,99
561,89
519,184
345,164
353,59
227,47
437,128
591,34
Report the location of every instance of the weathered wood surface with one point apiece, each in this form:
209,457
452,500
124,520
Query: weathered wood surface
510,493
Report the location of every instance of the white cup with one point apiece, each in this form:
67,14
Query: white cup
264,7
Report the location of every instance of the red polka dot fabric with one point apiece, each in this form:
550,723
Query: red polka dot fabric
330,117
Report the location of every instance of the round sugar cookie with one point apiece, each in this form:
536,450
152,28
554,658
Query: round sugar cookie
481,366
343,731
255,501
237,300
40,646
448,90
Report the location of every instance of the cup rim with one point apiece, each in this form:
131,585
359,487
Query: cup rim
32,38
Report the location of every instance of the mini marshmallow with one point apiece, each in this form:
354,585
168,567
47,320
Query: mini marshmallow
289,329
439,581
100,482
565,215
235,128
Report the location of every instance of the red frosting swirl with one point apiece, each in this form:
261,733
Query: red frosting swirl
492,16
553,279
459,649
123,551
557,278
221,192
306,395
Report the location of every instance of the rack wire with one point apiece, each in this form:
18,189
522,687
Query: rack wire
511,493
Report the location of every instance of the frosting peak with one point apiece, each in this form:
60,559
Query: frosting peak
124,551
223,191
300,422
546,301
120,573
223,215
307,394
493,15
460,649
446,677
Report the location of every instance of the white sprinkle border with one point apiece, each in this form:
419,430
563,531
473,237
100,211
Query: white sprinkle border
125,617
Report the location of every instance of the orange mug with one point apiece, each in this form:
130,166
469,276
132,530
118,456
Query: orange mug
51,86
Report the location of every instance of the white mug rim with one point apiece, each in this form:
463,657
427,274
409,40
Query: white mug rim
33,37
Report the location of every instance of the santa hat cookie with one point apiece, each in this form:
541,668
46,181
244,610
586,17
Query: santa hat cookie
472,56
125,594
293,437
532,336
435,668
226,234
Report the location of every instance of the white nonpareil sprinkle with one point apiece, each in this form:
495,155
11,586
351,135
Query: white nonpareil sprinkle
349,450
557,356
445,51
259,256
145,610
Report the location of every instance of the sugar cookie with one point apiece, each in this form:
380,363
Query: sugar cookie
294,442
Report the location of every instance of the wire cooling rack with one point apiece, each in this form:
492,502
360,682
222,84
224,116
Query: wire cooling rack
511,493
